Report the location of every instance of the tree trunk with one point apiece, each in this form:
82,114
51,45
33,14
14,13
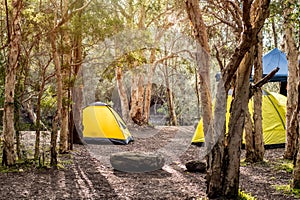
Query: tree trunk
203,60
76,127
249,134
64,126
197,89
38,122
53,142
255,143
296,172
38,126
66,76
137,99
123,95
64,130
214,149
170,98
254,16
215,145
17,114
153,62
138,91
223,174
8,157
239,108
259,149
203,63
274,32
75,119
292,95
149,86
148,93
57,118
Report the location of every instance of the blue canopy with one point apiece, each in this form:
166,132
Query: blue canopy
270,61
273,59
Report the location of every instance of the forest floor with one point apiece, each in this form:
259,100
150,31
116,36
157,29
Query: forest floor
87,173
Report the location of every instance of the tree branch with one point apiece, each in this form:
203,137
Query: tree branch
248,39
218,58
264,80
68,15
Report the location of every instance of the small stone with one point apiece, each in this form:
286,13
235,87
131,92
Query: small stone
137,161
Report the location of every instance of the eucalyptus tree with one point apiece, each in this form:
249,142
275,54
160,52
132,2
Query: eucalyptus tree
175,71
253,124
32,56
35,73
281,32
62,14
291,27
152,17
3,44
296,172
224,33
224,152
273,30
14,45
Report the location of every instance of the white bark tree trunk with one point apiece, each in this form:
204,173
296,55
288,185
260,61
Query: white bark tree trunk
15,38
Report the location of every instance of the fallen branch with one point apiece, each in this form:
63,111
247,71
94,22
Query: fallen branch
264,80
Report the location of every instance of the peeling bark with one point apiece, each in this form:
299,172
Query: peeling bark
254,134
296,172
239,107
15,38
292,93
137,98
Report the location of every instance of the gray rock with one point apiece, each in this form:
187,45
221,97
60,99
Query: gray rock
137,161
196,166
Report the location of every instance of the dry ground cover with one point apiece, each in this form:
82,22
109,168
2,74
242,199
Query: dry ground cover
87,173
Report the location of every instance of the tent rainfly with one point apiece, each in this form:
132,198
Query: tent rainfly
273,59
273,122
103,124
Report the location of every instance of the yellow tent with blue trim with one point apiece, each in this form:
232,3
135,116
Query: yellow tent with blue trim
273,119
101,123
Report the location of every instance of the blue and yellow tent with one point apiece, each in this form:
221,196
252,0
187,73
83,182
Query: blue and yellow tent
273,122
101,124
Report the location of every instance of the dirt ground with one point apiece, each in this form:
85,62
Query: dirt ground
87,173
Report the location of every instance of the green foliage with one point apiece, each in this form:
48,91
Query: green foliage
283,164
97,22
65,160
27,164
245,196
48,103
243,163
20,166
287,189
276,8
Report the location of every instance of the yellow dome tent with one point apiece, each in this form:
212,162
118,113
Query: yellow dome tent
101,124
273,122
